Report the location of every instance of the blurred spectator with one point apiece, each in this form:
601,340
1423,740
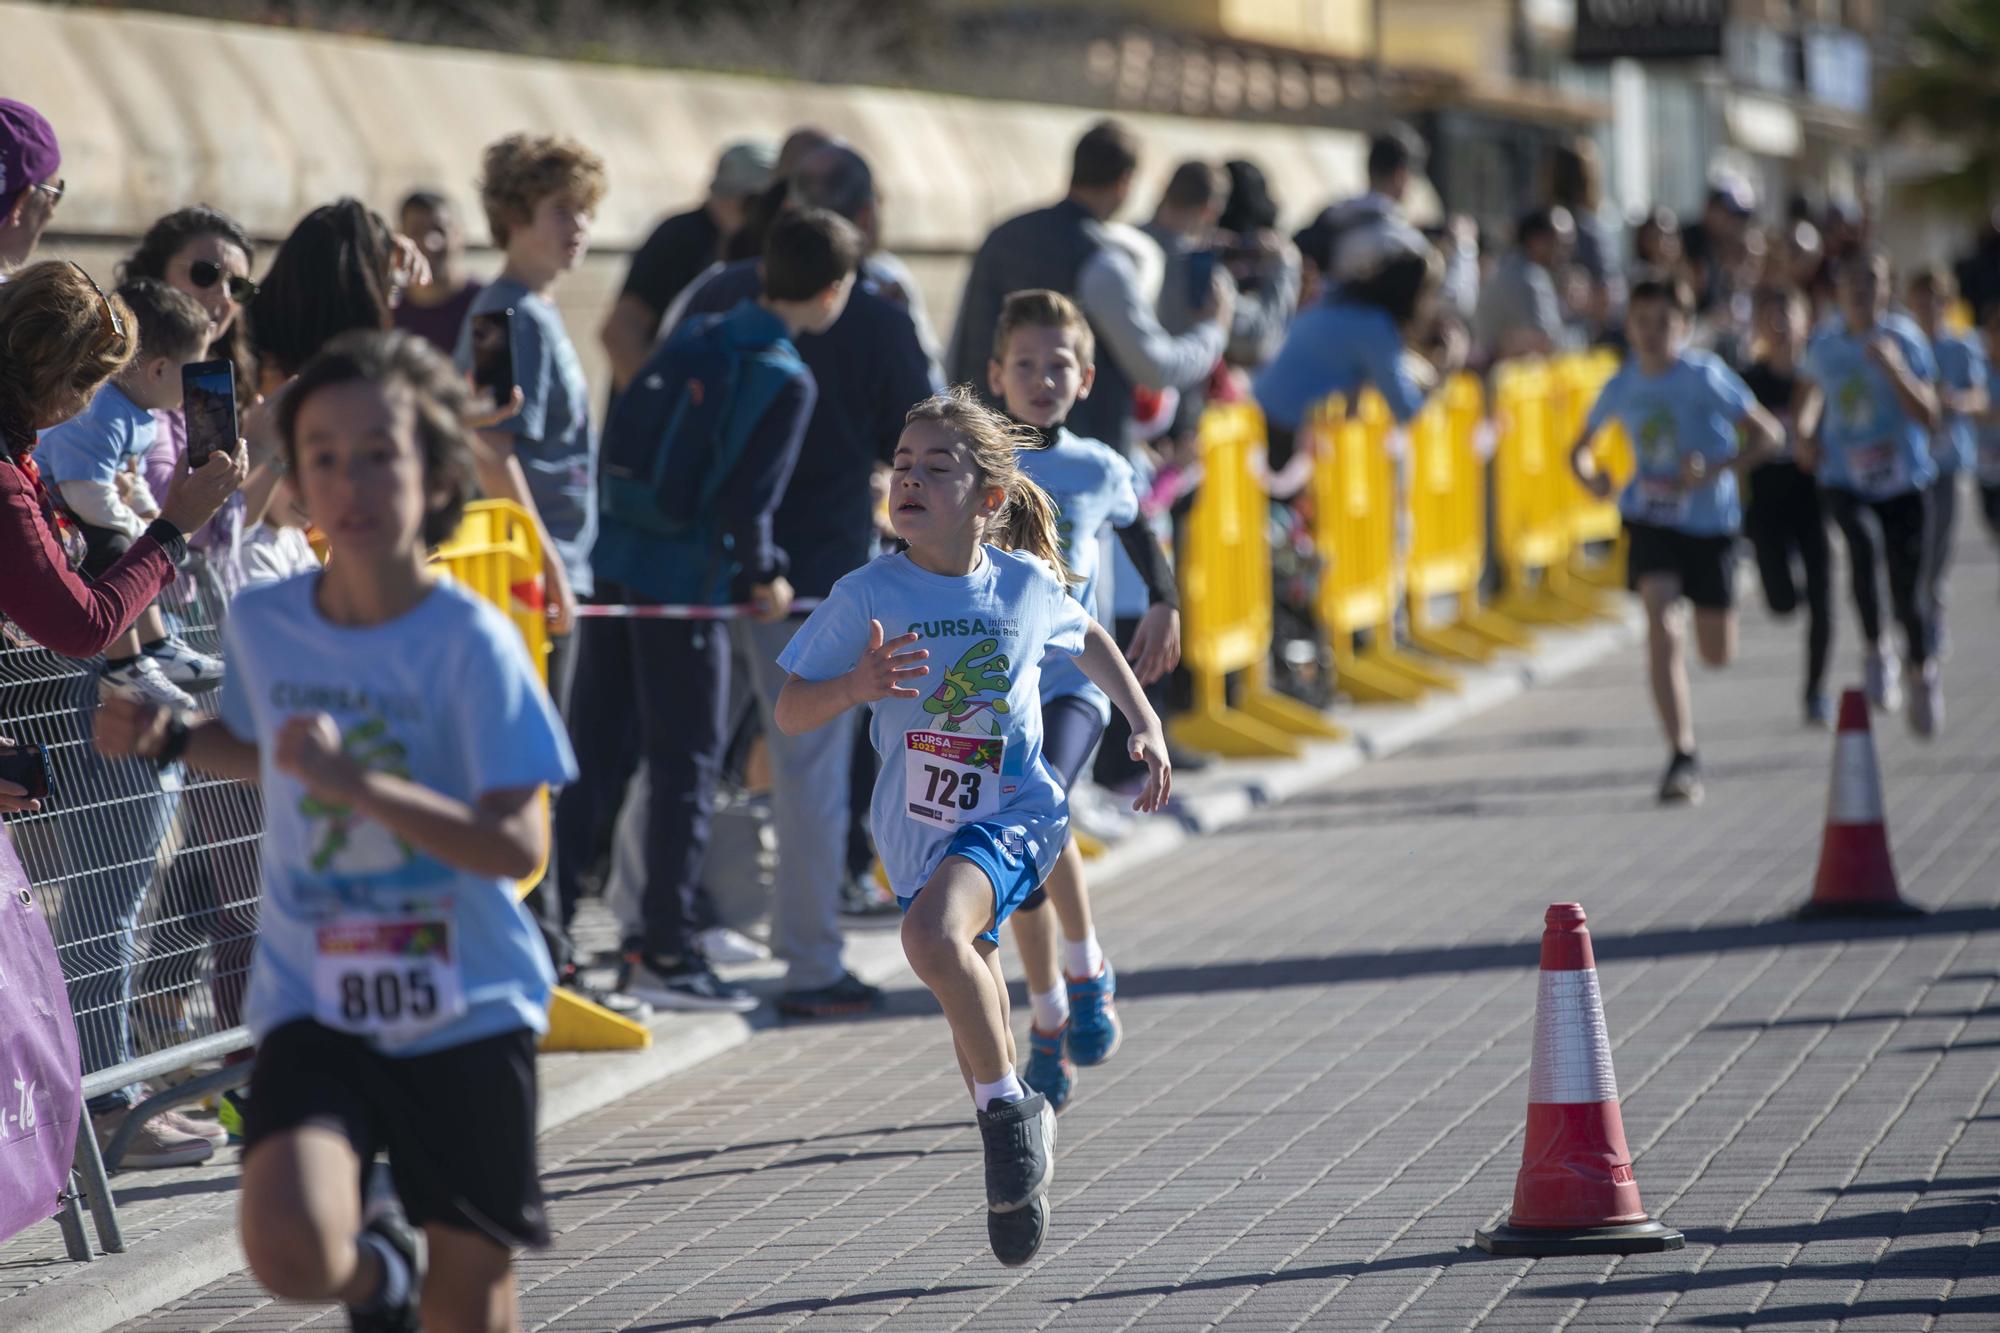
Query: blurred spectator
1656,245
1711,244
1063,248
338,270
1519,312
29,186
679,249
1457,243
1979,271
1264,265
1575,184
761,209
1354,236
435,311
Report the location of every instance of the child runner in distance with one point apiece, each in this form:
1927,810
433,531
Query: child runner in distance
1866,430
1962,396
92,462
1042,364
1987,459
945,642
1783,518
1683,411
402,738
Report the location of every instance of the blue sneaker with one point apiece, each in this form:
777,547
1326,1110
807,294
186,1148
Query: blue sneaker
1094,1032
1048,1071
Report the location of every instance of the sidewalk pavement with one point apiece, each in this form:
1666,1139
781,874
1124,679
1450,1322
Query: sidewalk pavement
1329,1008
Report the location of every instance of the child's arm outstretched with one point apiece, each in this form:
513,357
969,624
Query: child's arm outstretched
1106,667
807,705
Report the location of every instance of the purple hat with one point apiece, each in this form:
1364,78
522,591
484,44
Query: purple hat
28,153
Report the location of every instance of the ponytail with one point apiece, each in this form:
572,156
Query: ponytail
1026,520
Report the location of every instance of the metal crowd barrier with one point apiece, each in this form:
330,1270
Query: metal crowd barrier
149,882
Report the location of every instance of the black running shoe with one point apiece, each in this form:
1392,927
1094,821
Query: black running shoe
686,984
1020,1151
1017,1236
849,995
390,1224
1682,783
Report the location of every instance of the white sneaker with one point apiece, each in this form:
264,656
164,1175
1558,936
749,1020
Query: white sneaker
159,1142
187,668
1883,679
187,1124
145,681
1927,699
720,944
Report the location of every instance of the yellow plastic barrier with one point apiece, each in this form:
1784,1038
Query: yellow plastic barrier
1593,522
1447,501
497,553
1226,603
1533,499
1354,527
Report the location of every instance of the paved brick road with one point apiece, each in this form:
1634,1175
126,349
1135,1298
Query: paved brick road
1322,1086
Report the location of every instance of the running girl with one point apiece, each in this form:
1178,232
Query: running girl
1683,411
966,815
1869,425
402,740
1041,366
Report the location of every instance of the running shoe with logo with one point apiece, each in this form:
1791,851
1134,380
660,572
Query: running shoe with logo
192,671
688,984
143,680
1094,1030
1048,1070
1020,1140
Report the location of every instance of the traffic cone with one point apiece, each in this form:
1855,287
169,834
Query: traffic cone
1576,1193
1856,876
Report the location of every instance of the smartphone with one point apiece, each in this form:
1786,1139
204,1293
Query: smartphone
1201,277
27,766
208,400
493,354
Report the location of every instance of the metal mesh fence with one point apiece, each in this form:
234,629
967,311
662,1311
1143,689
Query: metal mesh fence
148,877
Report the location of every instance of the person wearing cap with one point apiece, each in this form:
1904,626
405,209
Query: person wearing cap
29,187
677,252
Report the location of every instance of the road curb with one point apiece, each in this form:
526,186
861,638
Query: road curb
161,1269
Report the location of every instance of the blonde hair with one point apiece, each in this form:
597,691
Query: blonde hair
1039,308
1026,519
60,338
524,169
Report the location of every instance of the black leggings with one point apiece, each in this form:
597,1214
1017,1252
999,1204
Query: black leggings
1784,519
1898,528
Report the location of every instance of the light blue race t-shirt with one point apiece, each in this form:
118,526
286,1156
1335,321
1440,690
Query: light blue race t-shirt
1692,407
553,434
445,696
1093,487
97,443
1961,363
968,749
1869,445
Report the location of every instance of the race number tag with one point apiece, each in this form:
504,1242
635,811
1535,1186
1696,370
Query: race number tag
949,779
393,978
1877,468
1662,501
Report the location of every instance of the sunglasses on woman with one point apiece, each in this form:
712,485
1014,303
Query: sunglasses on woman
205,273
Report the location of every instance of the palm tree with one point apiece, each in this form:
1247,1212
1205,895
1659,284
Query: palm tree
1950,88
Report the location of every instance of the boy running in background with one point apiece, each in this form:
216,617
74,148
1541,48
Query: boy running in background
966,814
92,460
1962,397
1684,411
402,739
1041,366
1865,429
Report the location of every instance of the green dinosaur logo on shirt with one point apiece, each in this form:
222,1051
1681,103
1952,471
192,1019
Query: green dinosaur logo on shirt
1654,441
982,669
1856,408
345,842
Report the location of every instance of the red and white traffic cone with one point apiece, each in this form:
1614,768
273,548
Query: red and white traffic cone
1576,1193
1856,876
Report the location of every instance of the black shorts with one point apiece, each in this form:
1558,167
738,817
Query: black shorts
458,1124
1071,728
102,548
1705,566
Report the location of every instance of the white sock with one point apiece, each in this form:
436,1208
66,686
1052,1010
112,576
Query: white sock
1051,1008
1082,959
1008,1089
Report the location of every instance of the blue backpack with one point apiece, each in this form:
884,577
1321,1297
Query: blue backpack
672,440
